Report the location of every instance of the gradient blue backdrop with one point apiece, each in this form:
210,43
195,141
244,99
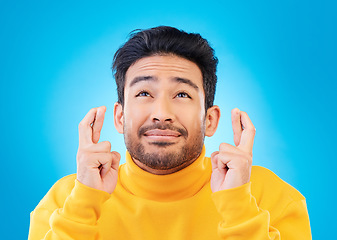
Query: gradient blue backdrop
277,62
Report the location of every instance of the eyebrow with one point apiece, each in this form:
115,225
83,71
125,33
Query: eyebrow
186,81
152,78
142,78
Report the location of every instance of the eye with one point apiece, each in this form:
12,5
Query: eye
183,95
143,94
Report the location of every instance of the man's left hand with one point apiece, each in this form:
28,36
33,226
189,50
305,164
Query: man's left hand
231,165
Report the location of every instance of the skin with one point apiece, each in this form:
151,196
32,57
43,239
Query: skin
153,96
164,91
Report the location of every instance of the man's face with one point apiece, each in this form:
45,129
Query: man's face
164,112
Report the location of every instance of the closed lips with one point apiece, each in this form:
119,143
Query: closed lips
162,133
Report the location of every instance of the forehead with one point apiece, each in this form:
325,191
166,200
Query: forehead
166,66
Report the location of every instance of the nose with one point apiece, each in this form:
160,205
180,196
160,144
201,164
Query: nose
162,111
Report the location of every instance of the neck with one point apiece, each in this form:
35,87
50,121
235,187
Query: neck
170,187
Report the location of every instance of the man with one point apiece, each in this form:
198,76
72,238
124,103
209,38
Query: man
168,189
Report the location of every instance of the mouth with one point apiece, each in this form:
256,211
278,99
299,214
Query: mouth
162,135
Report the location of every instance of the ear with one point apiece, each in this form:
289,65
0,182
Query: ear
212,120
118,117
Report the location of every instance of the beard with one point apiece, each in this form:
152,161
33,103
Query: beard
162,159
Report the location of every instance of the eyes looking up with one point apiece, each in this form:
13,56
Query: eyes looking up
180,94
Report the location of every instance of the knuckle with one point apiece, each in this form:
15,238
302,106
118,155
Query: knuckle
82,156
246,158
251,130
112,155
106,145
245,163
81,125
116,155
246,154
223,146
249,158
84,148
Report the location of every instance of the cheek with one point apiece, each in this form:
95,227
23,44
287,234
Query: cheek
134,117
192,118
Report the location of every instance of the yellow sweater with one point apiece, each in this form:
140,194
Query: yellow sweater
176,206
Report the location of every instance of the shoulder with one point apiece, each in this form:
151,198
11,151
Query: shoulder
274,194
65,184
58,192
266,182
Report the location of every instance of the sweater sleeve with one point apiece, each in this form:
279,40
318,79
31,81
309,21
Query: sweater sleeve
243,219
76,219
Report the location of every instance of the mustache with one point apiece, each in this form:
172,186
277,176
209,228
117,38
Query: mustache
162,126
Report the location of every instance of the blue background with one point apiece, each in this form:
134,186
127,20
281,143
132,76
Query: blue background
277,63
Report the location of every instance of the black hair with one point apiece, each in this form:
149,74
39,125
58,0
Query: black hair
164,40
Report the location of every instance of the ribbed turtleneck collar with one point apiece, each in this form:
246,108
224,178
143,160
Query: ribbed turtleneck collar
179,185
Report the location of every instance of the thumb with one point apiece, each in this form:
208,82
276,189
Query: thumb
115,161
214,159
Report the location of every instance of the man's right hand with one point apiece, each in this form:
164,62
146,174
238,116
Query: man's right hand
97,166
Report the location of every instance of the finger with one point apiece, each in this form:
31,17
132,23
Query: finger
84,128
224,159
214,154
248,133
105,164
236,125
222,166
98,124
228,148
94,160
232,160
219,163
104,146
112,163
